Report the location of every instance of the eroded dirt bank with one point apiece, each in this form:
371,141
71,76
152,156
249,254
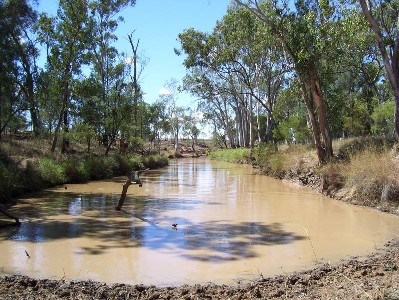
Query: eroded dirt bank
376,277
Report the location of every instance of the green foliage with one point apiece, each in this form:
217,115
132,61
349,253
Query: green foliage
263,153
270,159
356,118
128,163
75,171
155,161
218,140
239,155
383,118
136,144
100,167
10,180
51,172
42,173
293,130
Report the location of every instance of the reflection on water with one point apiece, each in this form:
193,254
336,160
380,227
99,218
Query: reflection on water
231,223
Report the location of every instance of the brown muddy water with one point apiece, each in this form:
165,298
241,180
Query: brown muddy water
233,225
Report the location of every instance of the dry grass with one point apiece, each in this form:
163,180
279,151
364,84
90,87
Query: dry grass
373,177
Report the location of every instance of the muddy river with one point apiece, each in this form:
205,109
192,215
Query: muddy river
233,225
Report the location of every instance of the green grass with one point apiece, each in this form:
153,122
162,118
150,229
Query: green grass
239,155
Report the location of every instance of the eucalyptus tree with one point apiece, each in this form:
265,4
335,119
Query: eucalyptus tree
119,108
351,79
240,65
304,31
211,78
190,126
174,113
382,17
137,64
214,101
88,125
66,37
106,63
158,123
258,62
17,62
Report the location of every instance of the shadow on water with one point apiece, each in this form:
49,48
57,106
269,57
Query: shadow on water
141,223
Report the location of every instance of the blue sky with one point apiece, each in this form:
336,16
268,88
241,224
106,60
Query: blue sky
157,24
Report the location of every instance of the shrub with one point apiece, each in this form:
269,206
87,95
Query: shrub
174,154
263,153
51,172
75,171
136,145
100,167
10,180
155,161
333,178
43,173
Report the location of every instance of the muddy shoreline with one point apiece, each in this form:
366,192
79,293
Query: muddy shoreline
373,277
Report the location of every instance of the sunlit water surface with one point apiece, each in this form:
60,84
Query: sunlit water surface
233,225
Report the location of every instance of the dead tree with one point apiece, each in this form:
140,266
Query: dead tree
132,178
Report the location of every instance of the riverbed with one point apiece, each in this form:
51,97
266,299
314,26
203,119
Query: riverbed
232,225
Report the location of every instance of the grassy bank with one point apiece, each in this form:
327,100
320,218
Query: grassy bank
239,155
364,171
29,169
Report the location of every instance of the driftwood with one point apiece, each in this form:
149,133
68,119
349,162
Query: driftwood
17,222
133,178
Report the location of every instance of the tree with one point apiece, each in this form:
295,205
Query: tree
109,68
382,18
175,114
17,62
66,37
135,76
303,32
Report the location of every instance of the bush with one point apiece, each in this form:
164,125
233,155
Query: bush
101,167
75,171
136,145
10,181
43,173
333,178
264,152
51,172
155,161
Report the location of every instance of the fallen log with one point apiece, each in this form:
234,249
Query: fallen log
17,222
